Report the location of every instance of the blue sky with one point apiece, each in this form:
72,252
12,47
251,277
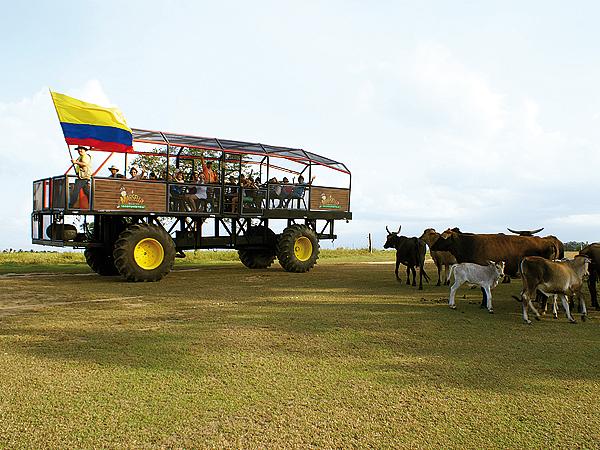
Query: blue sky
477,114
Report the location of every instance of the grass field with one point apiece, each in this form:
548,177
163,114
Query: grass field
217,355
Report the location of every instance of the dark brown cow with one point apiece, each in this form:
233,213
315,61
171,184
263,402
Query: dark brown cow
481,248
560,248
564,278
592,251
410,252
440,259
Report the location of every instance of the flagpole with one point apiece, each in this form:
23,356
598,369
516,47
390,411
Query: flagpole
68,148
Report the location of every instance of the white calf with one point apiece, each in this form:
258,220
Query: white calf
485,276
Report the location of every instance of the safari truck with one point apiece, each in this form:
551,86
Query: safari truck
264,201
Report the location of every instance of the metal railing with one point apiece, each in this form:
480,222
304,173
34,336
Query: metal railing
70,193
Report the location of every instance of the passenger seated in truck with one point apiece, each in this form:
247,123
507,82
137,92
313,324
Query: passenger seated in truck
201,199
286,193
274,191
134,175
258,194
181,199
298,191
231,195
114,172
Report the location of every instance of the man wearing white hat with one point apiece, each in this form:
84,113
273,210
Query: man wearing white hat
114,172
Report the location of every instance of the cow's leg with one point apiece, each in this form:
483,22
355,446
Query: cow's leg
543,300
565,304
420,279
439,269
483,299
446,270
535,311
397,265
453,289
408,275
583,308
592,287
488,294
555,306
524,303
414,274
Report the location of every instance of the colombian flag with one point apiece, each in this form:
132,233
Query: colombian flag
92,125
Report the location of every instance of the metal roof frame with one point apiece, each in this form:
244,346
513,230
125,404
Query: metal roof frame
230,146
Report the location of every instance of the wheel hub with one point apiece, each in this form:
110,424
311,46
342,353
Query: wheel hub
303,248
148,253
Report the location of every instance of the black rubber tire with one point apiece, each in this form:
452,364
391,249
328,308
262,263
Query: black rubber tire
285,249
261,258
101,261
124,252
256,259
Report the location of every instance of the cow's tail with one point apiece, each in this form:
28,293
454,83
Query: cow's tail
450,272
421,259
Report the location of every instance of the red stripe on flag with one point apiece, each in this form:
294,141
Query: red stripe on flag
101,145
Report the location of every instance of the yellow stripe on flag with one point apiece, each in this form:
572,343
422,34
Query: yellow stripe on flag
71,110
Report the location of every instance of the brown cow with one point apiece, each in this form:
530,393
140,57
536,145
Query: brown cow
564,278
560,248
592,251
481,248
440,259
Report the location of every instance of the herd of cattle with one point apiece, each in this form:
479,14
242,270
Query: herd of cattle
484,259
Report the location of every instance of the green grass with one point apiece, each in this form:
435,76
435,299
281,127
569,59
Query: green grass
343,356
74,262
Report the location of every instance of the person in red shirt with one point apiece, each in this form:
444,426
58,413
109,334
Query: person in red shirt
210,176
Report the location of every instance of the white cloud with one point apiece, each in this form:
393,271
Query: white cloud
457,151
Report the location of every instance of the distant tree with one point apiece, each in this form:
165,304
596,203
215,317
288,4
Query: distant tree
574,246
158,164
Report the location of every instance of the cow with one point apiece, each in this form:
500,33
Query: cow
564,278
440,259
592,251
410,251
559,246
485,276
481,248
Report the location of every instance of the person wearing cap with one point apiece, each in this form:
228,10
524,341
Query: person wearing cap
83,169
114,172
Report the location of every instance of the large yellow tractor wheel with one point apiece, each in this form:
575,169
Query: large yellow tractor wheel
144,252
298,249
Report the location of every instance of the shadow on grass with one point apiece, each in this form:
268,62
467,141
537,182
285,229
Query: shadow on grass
361,322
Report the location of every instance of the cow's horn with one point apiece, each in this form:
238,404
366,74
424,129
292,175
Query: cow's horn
398,232
536,231
388,230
